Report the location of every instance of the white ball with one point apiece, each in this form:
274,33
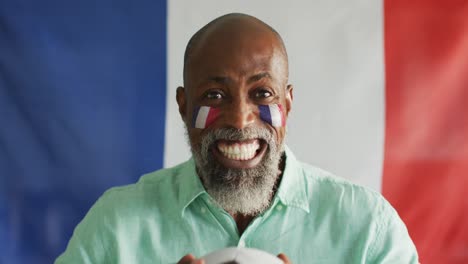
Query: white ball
234,255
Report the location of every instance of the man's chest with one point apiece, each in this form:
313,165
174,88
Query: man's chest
301,237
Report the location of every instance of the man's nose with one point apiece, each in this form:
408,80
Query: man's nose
240,114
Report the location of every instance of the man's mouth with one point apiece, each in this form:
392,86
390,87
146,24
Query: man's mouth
243,150
239,153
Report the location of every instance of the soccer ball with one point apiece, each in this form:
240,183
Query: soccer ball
233,255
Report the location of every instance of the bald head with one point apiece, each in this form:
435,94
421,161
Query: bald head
228,30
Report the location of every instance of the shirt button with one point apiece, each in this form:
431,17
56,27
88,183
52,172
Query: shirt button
279,207
242,243
203,210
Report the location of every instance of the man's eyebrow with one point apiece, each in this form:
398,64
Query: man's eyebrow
220,79
259,76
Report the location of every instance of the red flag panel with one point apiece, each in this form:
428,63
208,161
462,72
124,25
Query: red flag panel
425,172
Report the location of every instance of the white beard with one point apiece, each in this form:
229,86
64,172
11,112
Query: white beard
243,191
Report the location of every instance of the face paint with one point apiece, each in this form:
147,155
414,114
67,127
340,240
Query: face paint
272,114
204,116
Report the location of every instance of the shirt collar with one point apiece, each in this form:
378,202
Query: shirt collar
291,192
190,185
292,189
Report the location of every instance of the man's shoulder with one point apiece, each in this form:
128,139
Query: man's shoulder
165,175
154,188
324,177
359,208
330,189
356,213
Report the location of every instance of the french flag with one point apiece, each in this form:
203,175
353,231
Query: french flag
87,101
204,116
272,114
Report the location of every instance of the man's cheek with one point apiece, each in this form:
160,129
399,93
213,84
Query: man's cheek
194,136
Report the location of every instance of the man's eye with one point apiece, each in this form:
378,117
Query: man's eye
263,94
214,95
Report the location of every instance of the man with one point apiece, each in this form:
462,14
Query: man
243,186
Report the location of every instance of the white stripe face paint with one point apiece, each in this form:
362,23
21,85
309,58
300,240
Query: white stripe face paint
336,60
276,118
202,117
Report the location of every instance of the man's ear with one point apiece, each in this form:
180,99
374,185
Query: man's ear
289,98
182,102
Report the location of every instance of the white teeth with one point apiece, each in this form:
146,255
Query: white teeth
239,151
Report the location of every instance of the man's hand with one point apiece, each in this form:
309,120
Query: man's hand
190,259
284,258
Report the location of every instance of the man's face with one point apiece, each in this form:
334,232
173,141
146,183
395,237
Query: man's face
237,155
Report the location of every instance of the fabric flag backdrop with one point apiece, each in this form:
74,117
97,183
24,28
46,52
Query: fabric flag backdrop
87,101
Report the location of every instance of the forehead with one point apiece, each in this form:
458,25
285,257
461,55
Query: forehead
237,52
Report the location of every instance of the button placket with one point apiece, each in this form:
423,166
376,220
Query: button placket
208,208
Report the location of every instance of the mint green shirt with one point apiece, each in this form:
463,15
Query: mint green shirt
314,217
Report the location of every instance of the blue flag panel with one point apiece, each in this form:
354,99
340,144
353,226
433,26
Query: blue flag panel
82,108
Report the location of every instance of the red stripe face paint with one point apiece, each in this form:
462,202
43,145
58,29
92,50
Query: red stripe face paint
204,116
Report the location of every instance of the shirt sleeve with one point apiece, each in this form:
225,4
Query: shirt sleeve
392,243
90,240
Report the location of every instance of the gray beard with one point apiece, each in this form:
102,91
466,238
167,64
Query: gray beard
242,191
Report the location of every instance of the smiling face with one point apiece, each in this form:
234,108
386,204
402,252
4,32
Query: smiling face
236,66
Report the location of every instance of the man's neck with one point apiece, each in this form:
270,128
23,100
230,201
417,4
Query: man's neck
242,221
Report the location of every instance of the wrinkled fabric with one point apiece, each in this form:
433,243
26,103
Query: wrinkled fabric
315,217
